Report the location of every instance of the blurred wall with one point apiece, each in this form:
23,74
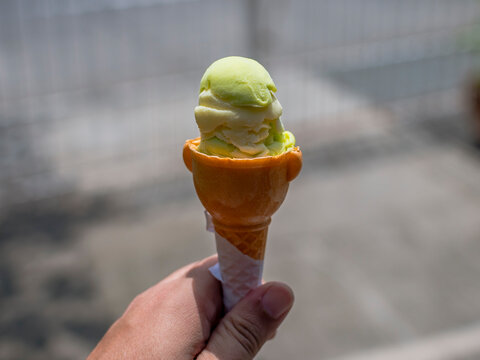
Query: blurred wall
99,95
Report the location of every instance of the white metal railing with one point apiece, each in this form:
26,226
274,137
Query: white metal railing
84,84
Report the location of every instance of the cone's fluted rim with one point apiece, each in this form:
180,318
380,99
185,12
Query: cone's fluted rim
263,161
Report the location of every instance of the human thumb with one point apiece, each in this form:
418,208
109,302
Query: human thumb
254,320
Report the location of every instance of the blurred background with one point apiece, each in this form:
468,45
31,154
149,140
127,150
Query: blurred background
379,236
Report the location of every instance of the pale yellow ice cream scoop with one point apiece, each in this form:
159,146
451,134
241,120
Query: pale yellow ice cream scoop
238,114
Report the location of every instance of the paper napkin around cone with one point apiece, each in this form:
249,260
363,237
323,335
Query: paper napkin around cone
238,273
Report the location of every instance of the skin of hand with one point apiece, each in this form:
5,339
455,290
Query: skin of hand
182,317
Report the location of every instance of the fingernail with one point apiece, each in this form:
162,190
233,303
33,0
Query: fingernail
277,300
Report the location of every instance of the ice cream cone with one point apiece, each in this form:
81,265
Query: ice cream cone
241,195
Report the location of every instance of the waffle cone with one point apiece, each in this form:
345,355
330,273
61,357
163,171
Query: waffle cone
249,241
242,194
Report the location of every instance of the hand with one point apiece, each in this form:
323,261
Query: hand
182,318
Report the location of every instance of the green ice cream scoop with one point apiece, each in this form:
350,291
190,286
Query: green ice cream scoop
239,81
238,114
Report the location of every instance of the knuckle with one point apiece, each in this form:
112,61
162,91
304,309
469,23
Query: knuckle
136,303
139,299
246,332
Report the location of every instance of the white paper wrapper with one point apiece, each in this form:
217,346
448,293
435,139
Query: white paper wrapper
238,272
